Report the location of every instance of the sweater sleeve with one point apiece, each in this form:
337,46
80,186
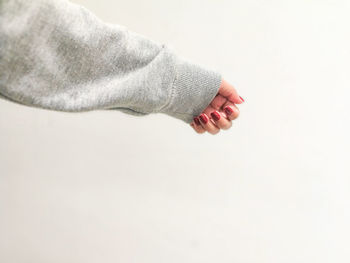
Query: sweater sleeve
57,55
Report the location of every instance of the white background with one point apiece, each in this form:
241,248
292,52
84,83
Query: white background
275,188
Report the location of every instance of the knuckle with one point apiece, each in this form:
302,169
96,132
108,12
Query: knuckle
213,132
228,126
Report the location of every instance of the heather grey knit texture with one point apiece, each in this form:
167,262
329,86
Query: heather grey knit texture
59,56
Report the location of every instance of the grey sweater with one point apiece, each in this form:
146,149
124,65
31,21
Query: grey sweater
57,55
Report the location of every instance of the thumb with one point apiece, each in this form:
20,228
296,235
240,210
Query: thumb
229,92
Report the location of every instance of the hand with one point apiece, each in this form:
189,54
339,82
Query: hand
220,112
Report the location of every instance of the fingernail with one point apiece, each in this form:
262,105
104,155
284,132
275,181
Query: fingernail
203,118
228,110
215,115
196,120
241,98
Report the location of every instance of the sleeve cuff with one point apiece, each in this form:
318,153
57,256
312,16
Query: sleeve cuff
193,89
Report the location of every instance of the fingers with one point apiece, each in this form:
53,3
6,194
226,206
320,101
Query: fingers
228,91
208,124
220,119
221,116
196,125
231,110
221,111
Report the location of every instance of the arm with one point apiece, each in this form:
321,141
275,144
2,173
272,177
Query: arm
57,55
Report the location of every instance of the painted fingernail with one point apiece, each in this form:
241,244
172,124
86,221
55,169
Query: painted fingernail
215,115
241,98
196,120
228,110
203,118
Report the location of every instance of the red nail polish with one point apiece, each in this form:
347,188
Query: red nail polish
241,98
215,115
196,120
203,118
228,110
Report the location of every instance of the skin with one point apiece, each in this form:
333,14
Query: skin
226,96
